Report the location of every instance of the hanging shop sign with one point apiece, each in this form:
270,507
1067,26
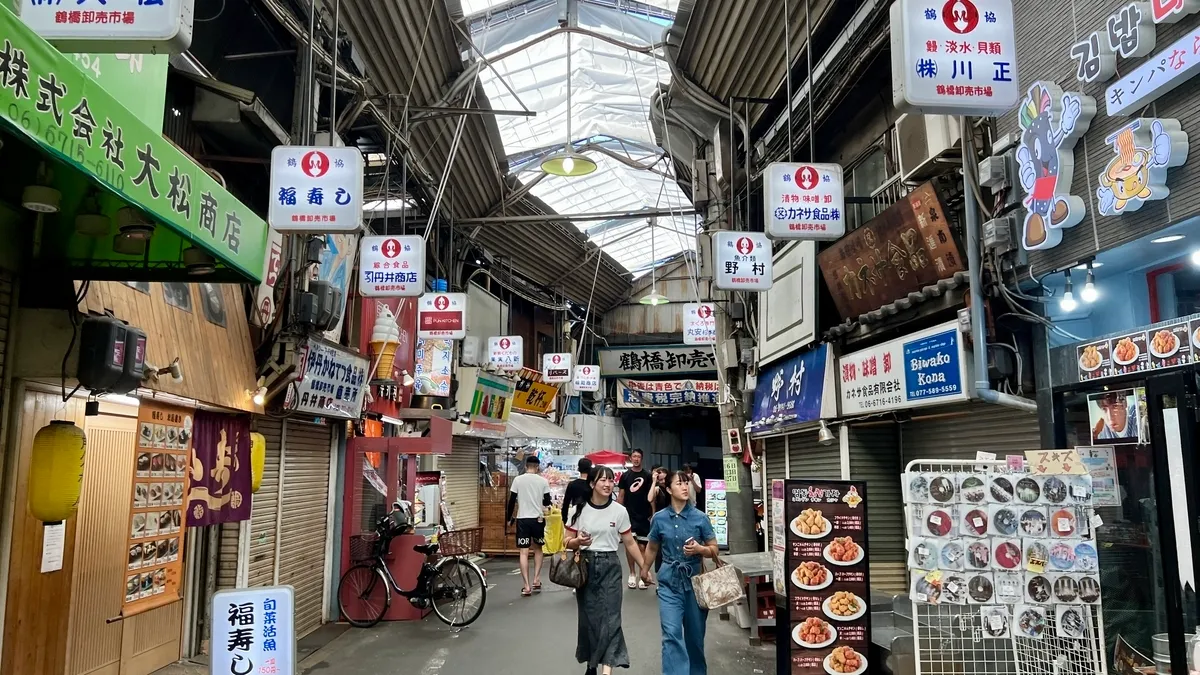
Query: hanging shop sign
793,391
131,26
556,368
254,631
332,381
1157,75
154,567
957,57
316,189
1167,345
264,297
658,360
1145,150
667,393
220,475
804,201
700,323
432,363
926,368
507,352
532,394
825,567
391,266
716,506
1052,122
442,315
742,261
902,250
1171,11
47,99
490,405
587,378
1095,59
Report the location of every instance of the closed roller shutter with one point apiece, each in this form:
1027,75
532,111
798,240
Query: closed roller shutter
461,471
960,431
807,458
305,522
775,455
264,507
875,459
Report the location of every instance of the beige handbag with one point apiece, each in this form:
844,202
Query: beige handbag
719,587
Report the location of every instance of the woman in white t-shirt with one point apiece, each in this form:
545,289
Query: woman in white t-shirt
599,529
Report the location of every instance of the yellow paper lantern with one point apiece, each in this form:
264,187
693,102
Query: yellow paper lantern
56,471
258,458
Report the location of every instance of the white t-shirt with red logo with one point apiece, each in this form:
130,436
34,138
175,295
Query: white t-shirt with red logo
605,525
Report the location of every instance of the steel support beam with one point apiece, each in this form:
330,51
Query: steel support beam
578,217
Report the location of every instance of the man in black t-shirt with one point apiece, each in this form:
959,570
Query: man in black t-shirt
635,495
578,492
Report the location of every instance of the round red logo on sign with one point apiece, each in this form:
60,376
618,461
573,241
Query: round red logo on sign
587,370
960,16
315,164
556,359
504,343
441,302
807,177
390,248
745,245
704,311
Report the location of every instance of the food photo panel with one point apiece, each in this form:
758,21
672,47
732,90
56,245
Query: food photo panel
1170,346
1093,360
1129,354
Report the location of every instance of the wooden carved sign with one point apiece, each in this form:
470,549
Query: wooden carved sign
907,247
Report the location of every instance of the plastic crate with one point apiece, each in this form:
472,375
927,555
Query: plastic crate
461,542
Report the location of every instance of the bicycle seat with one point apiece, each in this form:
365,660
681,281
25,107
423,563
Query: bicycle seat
426,549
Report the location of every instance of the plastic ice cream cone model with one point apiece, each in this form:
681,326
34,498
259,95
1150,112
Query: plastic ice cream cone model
385,338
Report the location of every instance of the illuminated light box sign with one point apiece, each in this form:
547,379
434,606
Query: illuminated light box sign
129,26
556,368
804,201
1157,75
442,315
587,378
391,266
316,189
1145,149
699,323
507,352
743,261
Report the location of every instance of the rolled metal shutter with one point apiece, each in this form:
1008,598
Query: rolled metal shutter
775,455
264,507
807,458
960,431
305,519
461,471
875,458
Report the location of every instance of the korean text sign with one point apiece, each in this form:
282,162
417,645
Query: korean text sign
792,390
254,631
804,201
826,563
391,266
316,189
921,369
743,261
700,323
954,57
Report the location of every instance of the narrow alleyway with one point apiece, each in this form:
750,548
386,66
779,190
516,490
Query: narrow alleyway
522,636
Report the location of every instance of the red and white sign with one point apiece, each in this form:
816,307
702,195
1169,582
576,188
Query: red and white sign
391,266
317,190
587,378
742,262
1171,11
699,323
507,352
264,296
556,368
442,315
804,201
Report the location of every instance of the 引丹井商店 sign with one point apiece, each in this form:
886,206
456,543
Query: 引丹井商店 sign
442,315
699,323
743,261
804,201
656,360
587,378
332,381
556,368
316,189
925,368
667,393
47,99
507,352
954,57
130,26
391,266
254,631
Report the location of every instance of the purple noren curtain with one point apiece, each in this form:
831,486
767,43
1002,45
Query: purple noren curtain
219,491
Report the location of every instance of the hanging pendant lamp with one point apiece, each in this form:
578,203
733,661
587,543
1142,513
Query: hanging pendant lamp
653,298
567,162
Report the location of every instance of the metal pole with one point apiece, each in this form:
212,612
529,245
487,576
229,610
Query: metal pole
337,9
787,51
310,124
812,141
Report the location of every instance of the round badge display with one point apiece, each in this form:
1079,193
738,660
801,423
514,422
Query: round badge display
1002,490
1038,589
1054,490
973,490
1028,490
979,555
941,489
1033,523
939,523
975,523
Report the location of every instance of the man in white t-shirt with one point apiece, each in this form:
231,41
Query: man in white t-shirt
528,502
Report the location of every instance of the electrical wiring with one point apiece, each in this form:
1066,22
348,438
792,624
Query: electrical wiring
1017,354
969,168
515,291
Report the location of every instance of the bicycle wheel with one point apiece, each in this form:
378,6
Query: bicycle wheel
364,595
458,592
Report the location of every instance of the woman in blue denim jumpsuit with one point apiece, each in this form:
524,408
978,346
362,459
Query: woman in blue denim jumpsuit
685,537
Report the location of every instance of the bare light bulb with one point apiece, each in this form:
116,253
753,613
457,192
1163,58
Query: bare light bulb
568,164
1196,258
260,396
1068,303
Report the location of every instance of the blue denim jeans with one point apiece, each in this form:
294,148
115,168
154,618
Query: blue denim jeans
683,624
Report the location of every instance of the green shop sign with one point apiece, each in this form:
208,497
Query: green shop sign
49,100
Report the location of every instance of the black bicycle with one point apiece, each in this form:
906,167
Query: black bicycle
451,585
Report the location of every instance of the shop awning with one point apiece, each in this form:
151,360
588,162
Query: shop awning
85,139
527,426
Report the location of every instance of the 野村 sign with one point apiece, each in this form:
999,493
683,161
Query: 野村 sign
507,352
1145,149
1052,122
442,315
657,360
391,266
1157,75
587,378
332,382
792,391
925,368
804,201
667,393
699,323
742,260
316,189
135,26
556,368
955,57
254,631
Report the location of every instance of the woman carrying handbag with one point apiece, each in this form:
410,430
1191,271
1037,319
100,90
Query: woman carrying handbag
598,530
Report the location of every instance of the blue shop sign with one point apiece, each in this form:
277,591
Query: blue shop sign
791,391
925,368
931,367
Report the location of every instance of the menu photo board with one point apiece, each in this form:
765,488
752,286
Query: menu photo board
827,621
716,505
1166,346
154,562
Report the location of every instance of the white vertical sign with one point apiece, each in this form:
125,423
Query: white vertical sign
556,368
442,315
587,378
507,352
742,261
264,297
316,189
804,201
254,631
391,266
699,323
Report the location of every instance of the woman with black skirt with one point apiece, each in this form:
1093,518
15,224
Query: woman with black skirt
599,530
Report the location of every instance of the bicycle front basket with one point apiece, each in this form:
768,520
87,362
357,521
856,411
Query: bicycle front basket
461,542
363,547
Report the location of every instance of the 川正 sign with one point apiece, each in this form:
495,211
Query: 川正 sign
254,631
954,57
556,368
924,368
742,260
587,378
332,381
507,352
391,266
316,189
131,26
442,315
699,323
804,201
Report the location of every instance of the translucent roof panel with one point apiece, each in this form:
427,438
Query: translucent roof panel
471,7
609,114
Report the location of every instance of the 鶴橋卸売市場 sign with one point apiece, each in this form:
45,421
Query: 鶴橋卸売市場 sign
657,360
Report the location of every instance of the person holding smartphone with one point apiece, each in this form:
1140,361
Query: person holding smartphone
685,537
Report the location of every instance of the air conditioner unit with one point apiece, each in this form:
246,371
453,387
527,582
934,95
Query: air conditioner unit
921,140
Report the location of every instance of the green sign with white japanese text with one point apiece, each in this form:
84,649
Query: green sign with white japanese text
138,81
46,98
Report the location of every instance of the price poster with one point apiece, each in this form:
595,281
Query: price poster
827,623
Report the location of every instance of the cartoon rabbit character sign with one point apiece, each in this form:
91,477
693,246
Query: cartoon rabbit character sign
1052,121
1145,149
